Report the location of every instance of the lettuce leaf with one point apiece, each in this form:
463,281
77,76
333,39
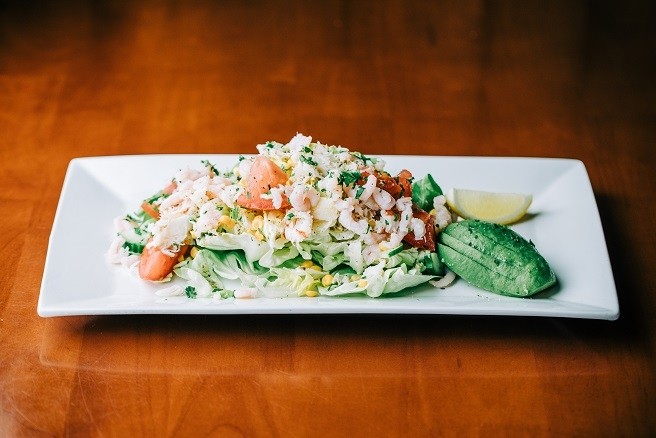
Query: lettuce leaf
200,274
287,283
380,281
276,272
424,191
253,249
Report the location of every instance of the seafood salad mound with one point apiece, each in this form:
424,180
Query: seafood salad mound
297,219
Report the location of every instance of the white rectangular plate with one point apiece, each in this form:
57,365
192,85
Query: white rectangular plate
563,222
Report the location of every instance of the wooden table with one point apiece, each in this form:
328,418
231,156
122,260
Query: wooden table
562,79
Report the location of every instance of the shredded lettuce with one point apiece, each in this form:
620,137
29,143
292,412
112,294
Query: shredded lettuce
207,269
377,281
253,249
279,273
286,283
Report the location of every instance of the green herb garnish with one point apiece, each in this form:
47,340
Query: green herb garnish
206,163
156,197
347,178
362,157
308,160
190,291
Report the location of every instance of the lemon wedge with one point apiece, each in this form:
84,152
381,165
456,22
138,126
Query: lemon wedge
500,208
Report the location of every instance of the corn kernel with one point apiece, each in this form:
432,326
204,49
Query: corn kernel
226,222
326,280
316,268
362,283
193,252
311,293
432,212
307,264
258,222
355,277
275,214
248,214
259,236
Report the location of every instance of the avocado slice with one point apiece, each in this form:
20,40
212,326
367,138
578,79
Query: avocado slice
495,258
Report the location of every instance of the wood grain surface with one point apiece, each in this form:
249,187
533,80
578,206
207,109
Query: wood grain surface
545,79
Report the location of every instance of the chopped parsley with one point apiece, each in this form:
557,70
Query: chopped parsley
157,196
206,163
132,218
308,160
347,178
133,248
190,291
359,192
362,157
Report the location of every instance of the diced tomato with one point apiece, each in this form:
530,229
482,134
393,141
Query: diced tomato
428,240
404,178
398,186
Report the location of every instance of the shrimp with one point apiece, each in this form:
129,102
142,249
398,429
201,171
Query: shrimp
384,200
300,227
417,227
368,188
371,253
263,176
303,198
404,207
346,210
442,214
156,264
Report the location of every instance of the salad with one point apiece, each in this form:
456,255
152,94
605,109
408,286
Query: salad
297,219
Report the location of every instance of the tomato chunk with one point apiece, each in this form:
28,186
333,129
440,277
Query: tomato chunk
155,265
263,176
398,186
428,239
